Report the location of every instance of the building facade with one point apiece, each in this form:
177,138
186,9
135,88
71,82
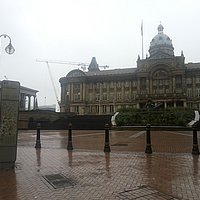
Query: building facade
161,78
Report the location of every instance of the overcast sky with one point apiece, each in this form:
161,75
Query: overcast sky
77,30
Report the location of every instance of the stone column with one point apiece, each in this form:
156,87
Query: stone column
174,104
29,102
122,90
147,86
34,102
10,91
22,101
138,86
173,86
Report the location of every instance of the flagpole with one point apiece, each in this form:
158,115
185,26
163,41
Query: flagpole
142,40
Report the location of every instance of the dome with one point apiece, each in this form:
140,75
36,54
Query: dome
76,73
161,44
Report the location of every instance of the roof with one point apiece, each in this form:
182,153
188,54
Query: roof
26,90
111,72
192,65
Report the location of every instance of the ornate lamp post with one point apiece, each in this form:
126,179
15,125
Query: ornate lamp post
9,49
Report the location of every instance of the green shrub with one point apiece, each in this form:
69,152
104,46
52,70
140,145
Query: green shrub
165,117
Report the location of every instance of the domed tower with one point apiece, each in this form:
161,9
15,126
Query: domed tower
161,45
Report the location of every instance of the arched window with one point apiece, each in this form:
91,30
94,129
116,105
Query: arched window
160,82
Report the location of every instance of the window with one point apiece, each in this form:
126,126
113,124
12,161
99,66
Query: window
143,83
198,92
178,80
77,86
77,96
189,80
178,90
160,82
119,84
104,96
127,96
134,93
112,96
90,86
90,97
104,108
111,108
197,80
97,85
189,92
90,109
155,83
97,108
97,97
134,83
119,96
143,92
76,109
111,85
126,83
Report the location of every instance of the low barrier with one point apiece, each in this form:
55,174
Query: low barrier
148,149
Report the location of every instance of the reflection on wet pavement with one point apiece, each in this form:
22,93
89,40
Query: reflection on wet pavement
162,141
170,172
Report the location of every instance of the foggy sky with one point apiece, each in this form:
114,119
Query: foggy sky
77,30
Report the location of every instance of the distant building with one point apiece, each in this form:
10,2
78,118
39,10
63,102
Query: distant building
48,107
161,78
28,98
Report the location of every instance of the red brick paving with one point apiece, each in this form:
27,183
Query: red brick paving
170,172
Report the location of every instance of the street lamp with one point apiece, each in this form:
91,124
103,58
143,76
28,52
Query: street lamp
9,49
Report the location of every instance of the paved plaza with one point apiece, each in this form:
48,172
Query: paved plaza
87,173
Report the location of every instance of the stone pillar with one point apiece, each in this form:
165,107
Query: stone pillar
10,91
84,92
138,86
81,91
174,104
173,85
71,92
122,89
29,102
22,101
150,86
100,98
147,86
34,103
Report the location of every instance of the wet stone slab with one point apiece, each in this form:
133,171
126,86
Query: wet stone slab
119,144
144,192
59,181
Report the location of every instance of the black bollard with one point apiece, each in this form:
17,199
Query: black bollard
148,145
69,145
195,149
38,143
107,143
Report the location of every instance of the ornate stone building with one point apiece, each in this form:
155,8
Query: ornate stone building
162,78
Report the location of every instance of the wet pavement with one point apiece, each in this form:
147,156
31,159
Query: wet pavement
53,172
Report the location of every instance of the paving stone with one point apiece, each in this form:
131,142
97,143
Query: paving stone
170,172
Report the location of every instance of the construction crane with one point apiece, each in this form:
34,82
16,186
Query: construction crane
52,81
82,65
